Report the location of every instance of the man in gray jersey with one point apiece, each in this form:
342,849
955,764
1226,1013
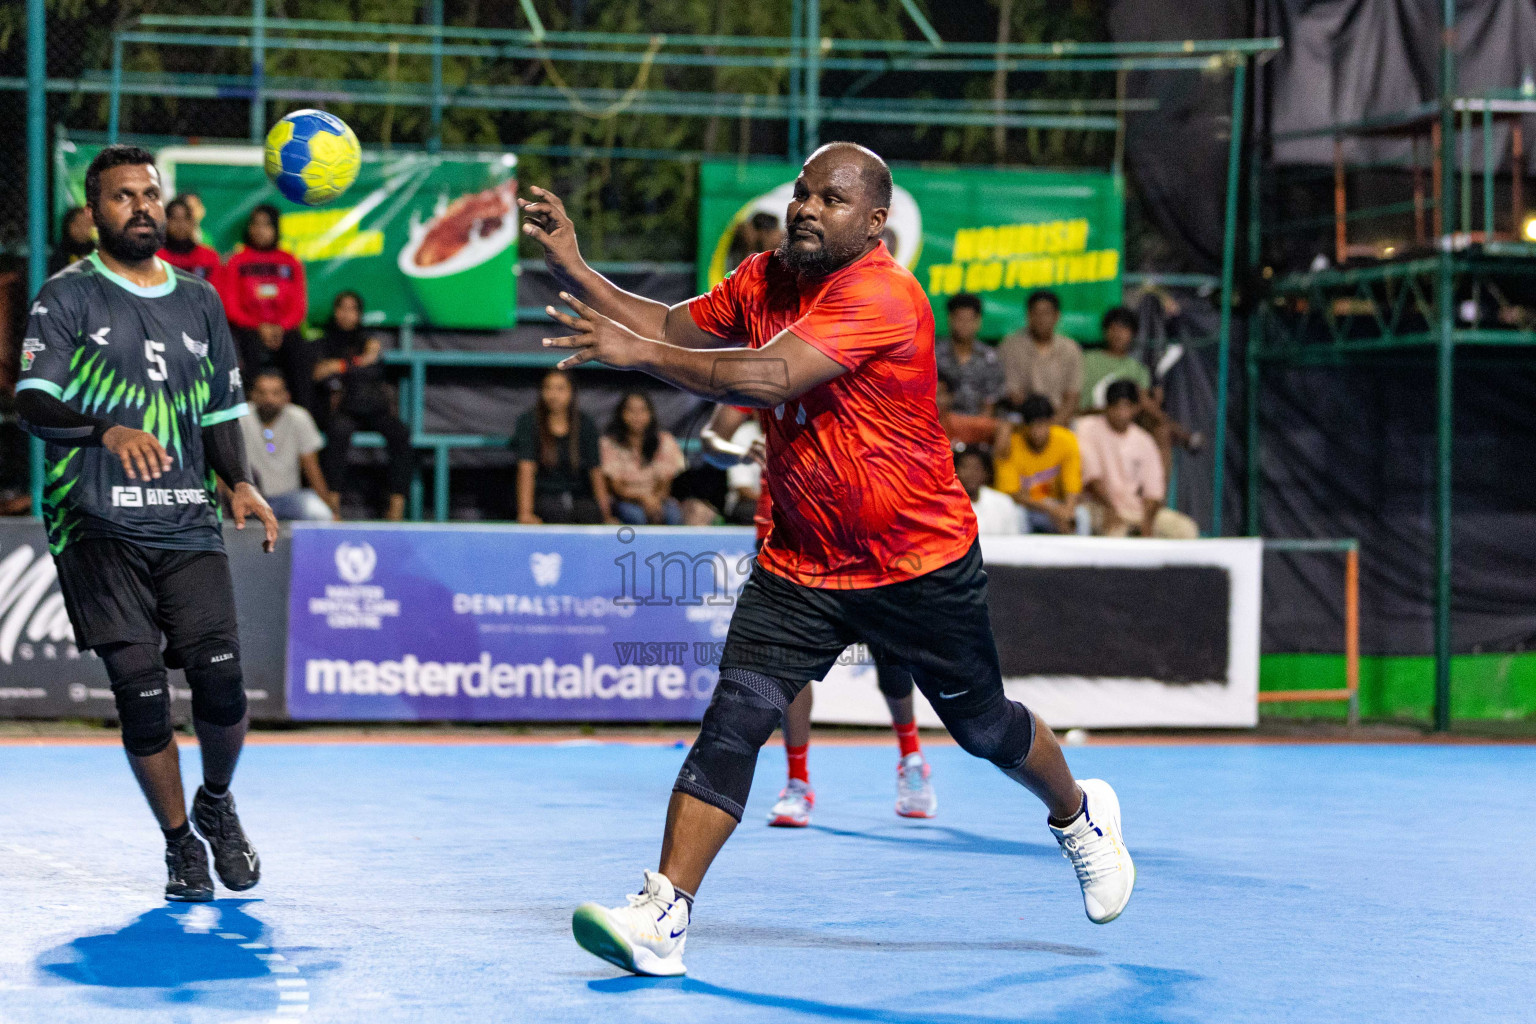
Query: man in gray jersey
130,376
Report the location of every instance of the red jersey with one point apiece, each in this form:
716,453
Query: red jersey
263,286
199,260
862,478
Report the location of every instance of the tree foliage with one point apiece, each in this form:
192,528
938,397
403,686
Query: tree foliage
629,208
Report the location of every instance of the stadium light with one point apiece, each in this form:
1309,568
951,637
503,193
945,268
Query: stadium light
1528,228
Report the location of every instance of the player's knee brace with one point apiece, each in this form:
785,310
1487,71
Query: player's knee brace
143,696
999,730
218,687
895,681
746,708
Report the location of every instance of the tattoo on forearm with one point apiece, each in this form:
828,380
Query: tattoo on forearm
763,379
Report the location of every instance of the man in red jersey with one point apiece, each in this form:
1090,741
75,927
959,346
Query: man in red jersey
873,537
182,249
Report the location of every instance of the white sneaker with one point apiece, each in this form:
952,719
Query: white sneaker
793,809
915,797
646,937
1096,848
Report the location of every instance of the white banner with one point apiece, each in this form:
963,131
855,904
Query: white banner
849,695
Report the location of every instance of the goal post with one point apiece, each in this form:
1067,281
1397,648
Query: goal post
1350,691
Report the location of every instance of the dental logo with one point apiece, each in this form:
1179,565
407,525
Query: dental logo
355,562
197,348
545,568
355,604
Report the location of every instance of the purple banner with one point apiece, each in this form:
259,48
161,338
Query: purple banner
509,623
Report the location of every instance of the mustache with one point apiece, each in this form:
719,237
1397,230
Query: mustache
801,225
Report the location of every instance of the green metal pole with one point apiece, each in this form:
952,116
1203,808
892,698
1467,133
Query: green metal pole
258,127
115,104
37,191
435,142
1444,366
1487,170
796,76
1252,453
812,75
1228,261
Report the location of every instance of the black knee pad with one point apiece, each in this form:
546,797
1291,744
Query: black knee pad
999,730
895,681
217,684
143,696
746,708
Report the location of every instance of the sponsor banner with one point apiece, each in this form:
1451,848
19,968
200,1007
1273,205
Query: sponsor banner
998,234
1102,633
507,623
428,236
44,675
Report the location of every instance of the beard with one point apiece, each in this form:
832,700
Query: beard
122,246
832,256
180,245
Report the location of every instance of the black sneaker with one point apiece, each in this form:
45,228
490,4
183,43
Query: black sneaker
186,861
234,857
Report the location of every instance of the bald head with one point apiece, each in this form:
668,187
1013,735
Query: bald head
838,210
872,171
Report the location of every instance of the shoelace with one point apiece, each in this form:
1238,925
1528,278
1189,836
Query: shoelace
1091,857
225,823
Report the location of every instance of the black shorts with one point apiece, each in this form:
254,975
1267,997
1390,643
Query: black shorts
119,592
935,625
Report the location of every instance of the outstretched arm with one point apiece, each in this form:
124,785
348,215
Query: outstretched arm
546,222
780,371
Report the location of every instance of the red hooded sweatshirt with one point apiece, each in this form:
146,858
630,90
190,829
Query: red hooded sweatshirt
199,260
263,286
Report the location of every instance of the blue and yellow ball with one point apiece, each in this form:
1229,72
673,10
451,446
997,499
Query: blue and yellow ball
312,157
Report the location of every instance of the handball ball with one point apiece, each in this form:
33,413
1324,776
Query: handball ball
312,157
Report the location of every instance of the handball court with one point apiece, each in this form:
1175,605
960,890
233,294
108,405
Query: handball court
433,880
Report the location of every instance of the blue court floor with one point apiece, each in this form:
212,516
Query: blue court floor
1277,884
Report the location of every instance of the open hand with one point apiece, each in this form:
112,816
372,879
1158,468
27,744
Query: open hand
247,501
546,222
597,337
143,457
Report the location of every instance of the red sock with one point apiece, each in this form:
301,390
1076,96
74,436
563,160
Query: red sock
798,757
906,735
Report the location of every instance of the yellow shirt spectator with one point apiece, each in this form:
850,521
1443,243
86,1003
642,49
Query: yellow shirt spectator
1054,472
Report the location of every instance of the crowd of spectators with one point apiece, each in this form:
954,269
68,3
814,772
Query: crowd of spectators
1073,441
1049,438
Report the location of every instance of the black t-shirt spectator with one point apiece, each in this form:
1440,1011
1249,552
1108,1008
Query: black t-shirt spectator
362,387
562,477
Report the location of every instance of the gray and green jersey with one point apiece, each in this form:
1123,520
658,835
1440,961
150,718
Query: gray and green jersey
155,359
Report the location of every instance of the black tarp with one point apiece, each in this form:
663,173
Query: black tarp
1176,155
1349,60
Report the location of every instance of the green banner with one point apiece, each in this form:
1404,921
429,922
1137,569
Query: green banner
998,234
432,237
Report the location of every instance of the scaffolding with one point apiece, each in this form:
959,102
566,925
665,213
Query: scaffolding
804,57
1405,300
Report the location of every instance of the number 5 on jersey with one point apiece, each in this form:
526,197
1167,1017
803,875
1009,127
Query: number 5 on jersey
152,350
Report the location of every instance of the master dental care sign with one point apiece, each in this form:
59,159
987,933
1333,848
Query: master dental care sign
506,623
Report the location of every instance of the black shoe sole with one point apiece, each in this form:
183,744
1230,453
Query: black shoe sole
190,897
